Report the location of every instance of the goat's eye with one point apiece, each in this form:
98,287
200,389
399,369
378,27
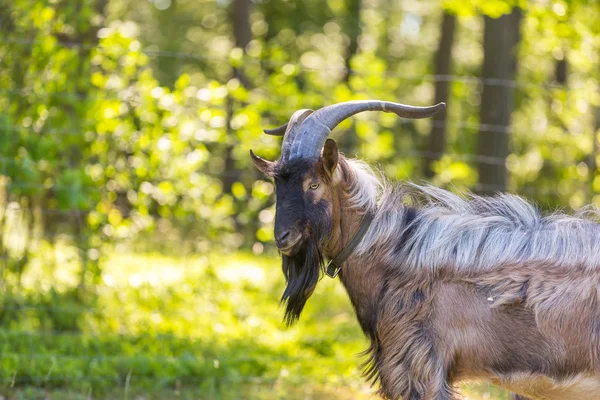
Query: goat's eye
313,186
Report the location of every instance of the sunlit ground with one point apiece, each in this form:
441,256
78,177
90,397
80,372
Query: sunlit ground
195,327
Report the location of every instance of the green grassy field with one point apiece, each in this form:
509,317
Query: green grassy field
196,327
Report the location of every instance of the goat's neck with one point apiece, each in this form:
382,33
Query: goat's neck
359,278
345,222
346,216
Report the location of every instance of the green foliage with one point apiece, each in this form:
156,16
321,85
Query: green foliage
204,327
202,323
491,8
119,133
127,125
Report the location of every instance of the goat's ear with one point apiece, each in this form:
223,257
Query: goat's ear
330,156
263,165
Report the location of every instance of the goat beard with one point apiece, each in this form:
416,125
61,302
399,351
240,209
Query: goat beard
302,272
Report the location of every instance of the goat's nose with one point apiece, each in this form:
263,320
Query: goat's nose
280,238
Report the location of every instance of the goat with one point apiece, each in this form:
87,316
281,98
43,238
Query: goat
447,288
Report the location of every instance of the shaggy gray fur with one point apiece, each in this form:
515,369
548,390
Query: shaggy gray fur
474,232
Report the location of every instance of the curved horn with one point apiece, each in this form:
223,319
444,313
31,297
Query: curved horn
279,131
291,131
315,129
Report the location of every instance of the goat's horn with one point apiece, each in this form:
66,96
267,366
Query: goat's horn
280,131
310,138
291,131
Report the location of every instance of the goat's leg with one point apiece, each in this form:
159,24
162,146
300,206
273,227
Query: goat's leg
416,374
437,395
414,395
429,388
419,391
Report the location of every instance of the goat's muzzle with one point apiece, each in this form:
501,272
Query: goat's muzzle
289,241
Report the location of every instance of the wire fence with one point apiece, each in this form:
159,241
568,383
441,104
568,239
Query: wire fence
278,64
55,339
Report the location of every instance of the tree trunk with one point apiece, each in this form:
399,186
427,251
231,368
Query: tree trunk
230,173
240,16
78,216
170,40
561,70
353,31
592,166
242,33
501,37
350,141
442,65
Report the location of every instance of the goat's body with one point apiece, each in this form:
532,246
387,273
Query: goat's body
451,289
505,346
446,288
429,335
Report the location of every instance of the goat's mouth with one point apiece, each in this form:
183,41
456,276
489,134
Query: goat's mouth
292,246
291,250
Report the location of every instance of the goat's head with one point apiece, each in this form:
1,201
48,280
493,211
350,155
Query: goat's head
306,177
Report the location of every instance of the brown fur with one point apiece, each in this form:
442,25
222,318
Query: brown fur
532,328
429,332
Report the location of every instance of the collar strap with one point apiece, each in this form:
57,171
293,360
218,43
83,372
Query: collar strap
334,265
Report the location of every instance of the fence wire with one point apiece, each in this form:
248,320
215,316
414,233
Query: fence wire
38,341
274,63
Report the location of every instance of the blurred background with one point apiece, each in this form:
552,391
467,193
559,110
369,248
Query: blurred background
136,256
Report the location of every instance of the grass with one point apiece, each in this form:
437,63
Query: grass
205,327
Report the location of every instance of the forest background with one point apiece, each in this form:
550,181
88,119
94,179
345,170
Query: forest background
136,255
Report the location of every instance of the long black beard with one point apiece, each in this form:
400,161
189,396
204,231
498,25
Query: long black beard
302,272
